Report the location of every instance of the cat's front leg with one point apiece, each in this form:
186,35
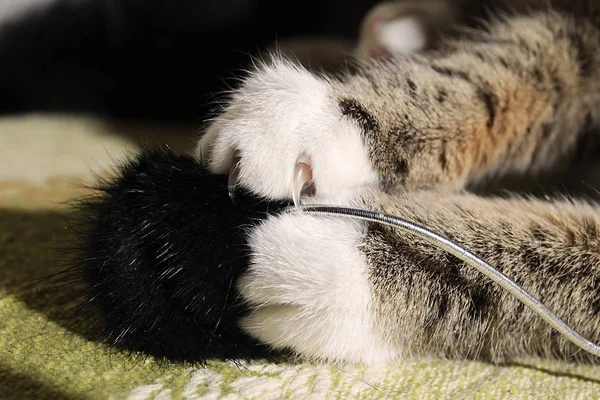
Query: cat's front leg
513,99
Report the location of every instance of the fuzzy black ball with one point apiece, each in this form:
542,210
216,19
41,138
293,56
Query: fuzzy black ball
162,255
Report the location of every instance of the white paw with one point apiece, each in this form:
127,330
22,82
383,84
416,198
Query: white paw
309,286
389,30
282,112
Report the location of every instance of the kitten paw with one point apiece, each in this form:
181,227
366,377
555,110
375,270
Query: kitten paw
308,286
282,115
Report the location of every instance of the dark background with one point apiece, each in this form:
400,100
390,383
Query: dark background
158,60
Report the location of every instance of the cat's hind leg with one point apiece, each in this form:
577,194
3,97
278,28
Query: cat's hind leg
342,290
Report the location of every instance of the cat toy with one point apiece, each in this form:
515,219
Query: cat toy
165,245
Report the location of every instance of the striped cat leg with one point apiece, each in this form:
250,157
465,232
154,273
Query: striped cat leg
338,289
515,98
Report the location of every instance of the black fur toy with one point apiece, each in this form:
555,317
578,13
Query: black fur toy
163,250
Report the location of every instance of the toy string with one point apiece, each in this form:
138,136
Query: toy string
470,259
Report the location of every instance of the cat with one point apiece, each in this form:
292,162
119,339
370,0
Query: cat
407,134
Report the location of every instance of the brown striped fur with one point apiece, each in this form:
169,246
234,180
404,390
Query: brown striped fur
431,303
513,98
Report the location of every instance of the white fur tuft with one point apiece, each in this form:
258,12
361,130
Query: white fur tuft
383,34
402,35
282,111
309,285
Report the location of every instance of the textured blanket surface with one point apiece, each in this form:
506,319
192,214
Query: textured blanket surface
45,352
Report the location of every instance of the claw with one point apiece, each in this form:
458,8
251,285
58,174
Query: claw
233,177
302,178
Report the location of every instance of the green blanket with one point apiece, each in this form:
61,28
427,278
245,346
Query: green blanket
46,353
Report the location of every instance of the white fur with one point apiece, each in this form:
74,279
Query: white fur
309,285
403,35
383,31
281,112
